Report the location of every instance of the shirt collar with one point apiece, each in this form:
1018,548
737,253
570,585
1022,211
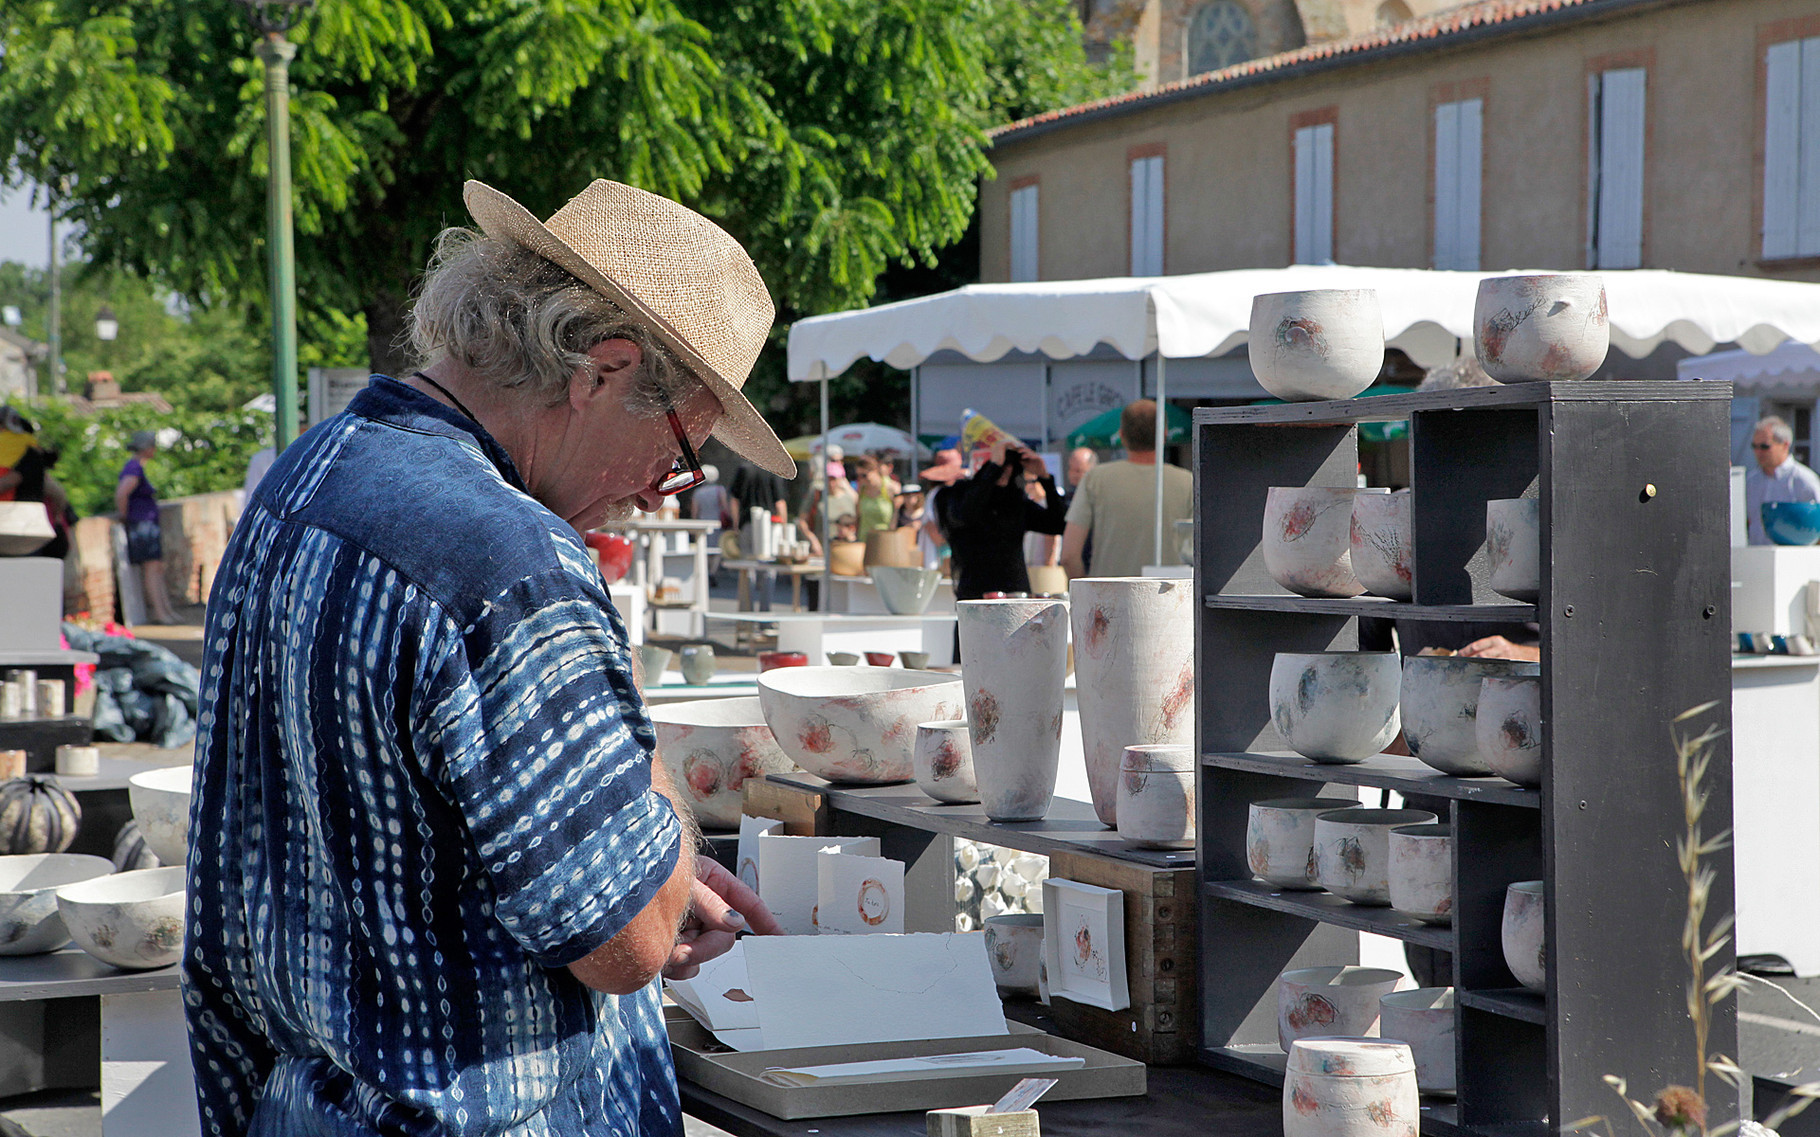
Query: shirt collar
386,400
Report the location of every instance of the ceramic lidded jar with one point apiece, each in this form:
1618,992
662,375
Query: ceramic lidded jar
1424,1019
1314,1001
1134,672
1307,539
1014,660
1336,706
1513,547
1509,727
1440,706
1156,796
1525,934
1352,851
1325,343
1421,872
1549,327
1014,950
710,747
943,759
1383,554
1279,839
1351,1087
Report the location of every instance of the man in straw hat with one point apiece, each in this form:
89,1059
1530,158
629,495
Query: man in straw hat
434,871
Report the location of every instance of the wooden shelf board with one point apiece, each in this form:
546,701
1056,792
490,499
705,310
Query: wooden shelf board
1373,606
1331,909
1385,771
1512,1002
1389,408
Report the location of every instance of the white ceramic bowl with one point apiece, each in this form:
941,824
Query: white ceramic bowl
1424,1019
1336,706
1525,934
1279,839
1014,948
1552,327
161,805
1513,547
1321,344
710,747
1156,796
1440,707
1307,539
943,758
29,923
1421,872
905,591
1352,851
855,725
1508,725
130,919
1383,555
1317,1001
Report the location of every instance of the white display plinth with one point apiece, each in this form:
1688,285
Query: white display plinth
1776,806
630,602
1769,588
858,596
147,1086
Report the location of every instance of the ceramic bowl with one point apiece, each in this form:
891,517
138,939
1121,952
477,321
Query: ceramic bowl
710,747
1421,872
161,805
1525,934
914,660
880,658
844,658
1014,948
1350,1087
29,923
1307,539
1336,706
905,591
1352,851
1383,556
943,759
1792,522
855,724
1156,796
1440,706
1552,327
1513,547
1279,839
770,659
1321,344
1508,725
1424,1019
1317,1001
129,919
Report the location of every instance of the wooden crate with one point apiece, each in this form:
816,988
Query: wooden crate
803,812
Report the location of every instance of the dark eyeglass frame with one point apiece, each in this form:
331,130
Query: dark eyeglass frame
1762,445
687,473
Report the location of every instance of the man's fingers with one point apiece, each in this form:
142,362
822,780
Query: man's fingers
736,894
709,913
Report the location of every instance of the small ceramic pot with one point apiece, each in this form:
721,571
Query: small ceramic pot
1440,706
1321,344
1352,851
1383,556
1014,658
710,747
914,660
1336,706
1552,327
160,800
770,659
1307,539
1513,547
78,761
1279,839
1508,725
1421,872
697,664
844,658
12,764
29,923
904,591
1525,934
1014,949
1350,1087
1316,1001
943,759
653,662
129,919
1424,1019
855,725
1156,796
880,658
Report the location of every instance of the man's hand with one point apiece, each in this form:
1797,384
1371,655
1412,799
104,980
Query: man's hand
720,907
1497,647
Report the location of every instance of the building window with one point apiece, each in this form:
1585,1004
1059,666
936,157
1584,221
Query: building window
1791,150
1458,142
1614,162
1314,194
1023,233
1147,216
1220,34
1392,12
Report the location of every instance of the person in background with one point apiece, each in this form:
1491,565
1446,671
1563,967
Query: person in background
711,501
754,488
136,501
1081,461
875,505
256,468
939,481
1114,507
832,492
987,523
1778,477
30,480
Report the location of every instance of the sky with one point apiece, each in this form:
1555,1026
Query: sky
24,235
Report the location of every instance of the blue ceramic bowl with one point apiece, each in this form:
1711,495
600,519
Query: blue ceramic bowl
1792,522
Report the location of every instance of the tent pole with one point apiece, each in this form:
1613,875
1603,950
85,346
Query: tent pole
916,417
1162,447
827,597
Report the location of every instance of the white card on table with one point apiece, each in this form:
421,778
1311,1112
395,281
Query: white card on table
718,995
857,894
746,862
787,879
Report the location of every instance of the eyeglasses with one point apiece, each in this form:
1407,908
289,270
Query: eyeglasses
687,473
1762,446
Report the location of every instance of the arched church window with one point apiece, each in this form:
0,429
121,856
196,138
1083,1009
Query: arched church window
1220,34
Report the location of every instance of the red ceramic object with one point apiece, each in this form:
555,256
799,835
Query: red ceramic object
614,554
770,659
880,658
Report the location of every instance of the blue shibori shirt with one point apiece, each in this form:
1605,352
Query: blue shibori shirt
423,787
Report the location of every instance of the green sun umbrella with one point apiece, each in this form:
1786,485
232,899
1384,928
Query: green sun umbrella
1102,431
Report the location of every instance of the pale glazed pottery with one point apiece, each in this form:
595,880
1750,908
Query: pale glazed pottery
1336,706
844,658
1351,1087
1509,725
1014,659
1325,343
1279,839
1014,948
129,919
1513,547
1440,707
1421,872
1307,539
1529,328
943,759
697,664
905,591
1424,1019
652,662
1352,851
29,923
915,660
1133,672
1383,555
710,747
1315,1001
78,761
855,724
161,805
1525,934
1156,796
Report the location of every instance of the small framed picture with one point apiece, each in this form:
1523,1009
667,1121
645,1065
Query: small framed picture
1084,944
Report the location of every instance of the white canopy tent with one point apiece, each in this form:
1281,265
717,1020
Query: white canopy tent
1782,381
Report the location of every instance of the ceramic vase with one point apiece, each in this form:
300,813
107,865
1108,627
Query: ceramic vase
1336,706
1383,555
1513,547
1352,851
1014,659
1509,728
943,760
652,662
710,747
1315,1001
1351,1087
1440,705
1279,839
1552,327
1014,950
1321,344
697,664
1307,539
1525,934
1134,672
1424,1019
1156,796
1421,872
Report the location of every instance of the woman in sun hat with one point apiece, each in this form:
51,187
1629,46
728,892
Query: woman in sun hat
136,503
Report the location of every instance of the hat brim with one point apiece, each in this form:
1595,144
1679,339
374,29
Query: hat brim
741,428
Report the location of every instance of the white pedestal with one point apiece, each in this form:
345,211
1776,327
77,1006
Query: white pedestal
1769,588
147,1086
858,596
1776,806
630,602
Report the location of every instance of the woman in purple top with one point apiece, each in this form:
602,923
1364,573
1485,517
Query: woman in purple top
137,504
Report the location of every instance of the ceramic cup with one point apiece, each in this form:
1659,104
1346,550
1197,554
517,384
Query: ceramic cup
1014,658
1551,327
770,659
1383,557
697,664
1014,949
1279,839
653,662
1321,344
1513,547
1352,851
1424,1019
1440,704
1316,1001
1307,539
880,658
914,660
1525,934
78,761
1350,1087
1156,796
1336,706
1421,872
843,658
943,759
1508,725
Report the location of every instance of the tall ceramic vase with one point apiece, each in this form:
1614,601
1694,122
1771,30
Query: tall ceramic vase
1014,660
1133,672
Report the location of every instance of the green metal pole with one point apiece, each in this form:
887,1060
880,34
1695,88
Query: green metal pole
53,372
276,52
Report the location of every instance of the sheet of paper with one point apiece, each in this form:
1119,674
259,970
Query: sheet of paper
717,996
855,895
786,875
1020,1061
833,990
746,862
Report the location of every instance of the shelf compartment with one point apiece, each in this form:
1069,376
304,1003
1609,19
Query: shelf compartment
1389,408
1331,909
1374,606
1511,1002
1384,771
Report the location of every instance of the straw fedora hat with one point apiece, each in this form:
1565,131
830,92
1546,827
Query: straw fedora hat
672,270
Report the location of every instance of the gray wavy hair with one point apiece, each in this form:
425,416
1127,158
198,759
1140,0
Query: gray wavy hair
526,324
1778,429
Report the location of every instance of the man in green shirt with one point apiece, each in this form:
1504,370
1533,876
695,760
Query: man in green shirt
1115,505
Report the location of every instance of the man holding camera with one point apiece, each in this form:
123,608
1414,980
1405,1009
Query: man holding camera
987,524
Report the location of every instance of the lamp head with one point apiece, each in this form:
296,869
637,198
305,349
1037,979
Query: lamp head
276,16
106,326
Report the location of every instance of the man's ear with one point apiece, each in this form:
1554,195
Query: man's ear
615,365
